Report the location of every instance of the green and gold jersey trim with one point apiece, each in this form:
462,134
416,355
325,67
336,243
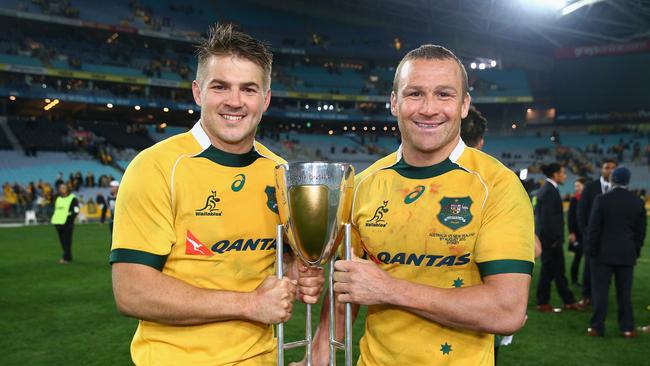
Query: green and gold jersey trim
228,159
414,172
505,266
137,256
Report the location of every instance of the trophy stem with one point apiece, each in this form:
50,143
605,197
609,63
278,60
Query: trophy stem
348,306
333,343
307,342
308,335
279,272
332,331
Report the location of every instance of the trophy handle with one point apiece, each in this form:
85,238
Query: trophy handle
279,272
333,343
307,342
348,306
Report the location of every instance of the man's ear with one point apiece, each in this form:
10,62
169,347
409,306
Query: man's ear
196,92
467,100
267,99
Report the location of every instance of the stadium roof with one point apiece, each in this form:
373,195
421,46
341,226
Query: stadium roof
537,23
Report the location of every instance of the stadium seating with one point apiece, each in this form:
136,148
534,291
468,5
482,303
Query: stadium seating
15,167
499,83
4,142
132,56
311,57
168,132
117,135
39,133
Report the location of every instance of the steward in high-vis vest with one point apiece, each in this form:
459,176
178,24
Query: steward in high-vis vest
66,208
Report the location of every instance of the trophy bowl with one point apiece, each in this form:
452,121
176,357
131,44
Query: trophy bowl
314,203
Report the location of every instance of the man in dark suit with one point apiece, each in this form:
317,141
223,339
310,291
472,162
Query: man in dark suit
575,231
614,236
589,194
549,228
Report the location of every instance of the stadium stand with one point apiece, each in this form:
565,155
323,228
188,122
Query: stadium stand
41,134
139,54
120,135
4,141
15,167
158,134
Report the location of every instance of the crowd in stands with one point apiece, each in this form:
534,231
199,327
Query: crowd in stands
56,47
81,137
57,7
619,149
39,197
17,199
159,58
582,161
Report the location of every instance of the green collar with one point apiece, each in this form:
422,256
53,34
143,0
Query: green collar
229,159
414,172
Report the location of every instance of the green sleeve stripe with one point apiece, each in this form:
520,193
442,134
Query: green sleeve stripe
505,266
137,256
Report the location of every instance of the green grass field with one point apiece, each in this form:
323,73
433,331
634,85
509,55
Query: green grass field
52,314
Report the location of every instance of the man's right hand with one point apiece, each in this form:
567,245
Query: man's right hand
273,300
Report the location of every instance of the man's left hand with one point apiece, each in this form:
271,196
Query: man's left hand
362,282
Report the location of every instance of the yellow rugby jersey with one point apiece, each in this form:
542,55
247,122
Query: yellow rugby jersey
445,226
208,218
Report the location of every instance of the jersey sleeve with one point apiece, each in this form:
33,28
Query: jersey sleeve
505,242
143,224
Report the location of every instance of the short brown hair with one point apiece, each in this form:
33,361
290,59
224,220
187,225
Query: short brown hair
223,39
431,52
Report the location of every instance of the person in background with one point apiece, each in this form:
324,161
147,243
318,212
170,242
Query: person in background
108,205
473,128
90,180
614,237
589,194
66,209
549,228
575,232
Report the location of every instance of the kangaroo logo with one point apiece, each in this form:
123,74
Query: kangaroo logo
378,219
210,208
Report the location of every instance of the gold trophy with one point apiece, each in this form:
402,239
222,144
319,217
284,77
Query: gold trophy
314,203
